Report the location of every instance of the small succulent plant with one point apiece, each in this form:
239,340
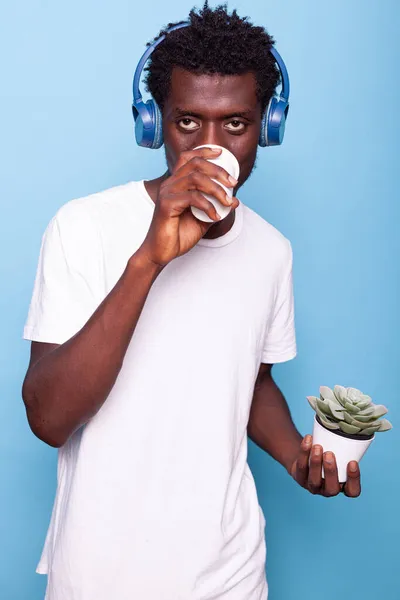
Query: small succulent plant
349,410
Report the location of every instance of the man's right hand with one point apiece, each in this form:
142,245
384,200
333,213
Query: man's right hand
174,229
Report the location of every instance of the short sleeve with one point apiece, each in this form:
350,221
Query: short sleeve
66,289
280,340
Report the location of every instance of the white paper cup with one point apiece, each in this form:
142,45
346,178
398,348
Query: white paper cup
345,449
229,162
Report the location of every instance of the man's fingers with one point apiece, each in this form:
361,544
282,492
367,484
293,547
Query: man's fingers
301,465
331,483
205,153
352,487
315,470
200,164
196,180
176,204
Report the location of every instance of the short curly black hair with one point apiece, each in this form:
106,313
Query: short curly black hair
215,42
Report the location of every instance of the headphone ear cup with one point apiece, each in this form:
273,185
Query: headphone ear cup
274,122
148,124
138,112
158,139
268,132
263,139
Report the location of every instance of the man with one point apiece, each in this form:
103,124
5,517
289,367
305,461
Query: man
153,339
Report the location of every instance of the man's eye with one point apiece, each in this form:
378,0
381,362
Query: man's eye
236,125
187,124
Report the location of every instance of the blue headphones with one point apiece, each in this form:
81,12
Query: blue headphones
148,118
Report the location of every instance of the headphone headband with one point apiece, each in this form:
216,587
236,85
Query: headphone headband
137,96
285,91
148,119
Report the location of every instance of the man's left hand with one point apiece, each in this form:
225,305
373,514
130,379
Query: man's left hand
308,473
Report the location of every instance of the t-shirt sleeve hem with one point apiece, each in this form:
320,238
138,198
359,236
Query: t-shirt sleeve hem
35,334
272,359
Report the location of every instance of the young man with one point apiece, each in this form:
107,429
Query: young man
153,339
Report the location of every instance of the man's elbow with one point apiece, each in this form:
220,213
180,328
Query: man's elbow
44,432
38,424
47,436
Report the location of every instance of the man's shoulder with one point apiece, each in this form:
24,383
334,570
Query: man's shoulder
266,235
114,197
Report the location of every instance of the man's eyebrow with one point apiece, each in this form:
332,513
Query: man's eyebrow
182,112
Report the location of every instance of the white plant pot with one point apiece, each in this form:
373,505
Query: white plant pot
345,449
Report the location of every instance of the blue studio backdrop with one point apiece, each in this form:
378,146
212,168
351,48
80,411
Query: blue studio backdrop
332,188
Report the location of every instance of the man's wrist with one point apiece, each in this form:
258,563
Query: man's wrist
292,453
140,261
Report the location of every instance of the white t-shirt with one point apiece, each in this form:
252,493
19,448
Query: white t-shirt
155,499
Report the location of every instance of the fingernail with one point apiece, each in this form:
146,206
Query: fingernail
229,199
232,180
215,149
317,450
353,467
329,457
307,440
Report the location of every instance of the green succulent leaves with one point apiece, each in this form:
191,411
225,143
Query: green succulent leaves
349,410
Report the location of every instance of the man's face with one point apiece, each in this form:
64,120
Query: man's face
212,109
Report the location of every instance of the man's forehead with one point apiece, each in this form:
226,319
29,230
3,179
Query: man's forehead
198,90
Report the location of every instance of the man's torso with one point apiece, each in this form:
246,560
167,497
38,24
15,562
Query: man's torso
155,497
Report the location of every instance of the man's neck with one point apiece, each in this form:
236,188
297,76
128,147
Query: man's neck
217,230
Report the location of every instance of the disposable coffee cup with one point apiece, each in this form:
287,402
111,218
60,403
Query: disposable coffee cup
229,162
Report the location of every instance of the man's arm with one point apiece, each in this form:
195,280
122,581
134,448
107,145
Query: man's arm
66,384
271,427
270,423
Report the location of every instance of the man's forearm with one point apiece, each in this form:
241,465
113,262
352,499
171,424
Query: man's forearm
66,387
270,423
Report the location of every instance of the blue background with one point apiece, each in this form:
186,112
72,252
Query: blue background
332,188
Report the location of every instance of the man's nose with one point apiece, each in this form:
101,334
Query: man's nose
211,133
